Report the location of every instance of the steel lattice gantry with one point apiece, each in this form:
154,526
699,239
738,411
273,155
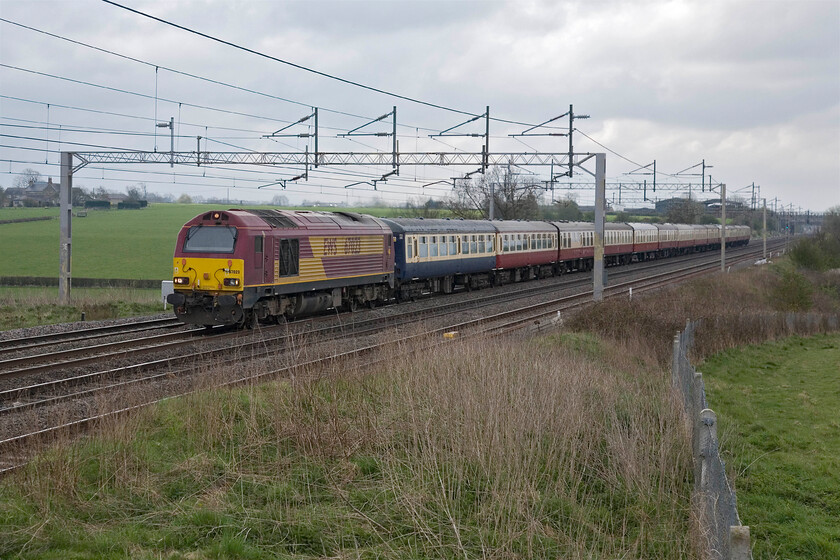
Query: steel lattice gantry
329,158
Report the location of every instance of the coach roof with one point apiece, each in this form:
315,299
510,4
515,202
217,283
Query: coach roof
434,226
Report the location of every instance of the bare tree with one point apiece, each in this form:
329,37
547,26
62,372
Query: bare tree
27,178
515,199
686,211
80,195
429,209
134,192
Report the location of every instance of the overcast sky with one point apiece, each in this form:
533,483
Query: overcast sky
751,87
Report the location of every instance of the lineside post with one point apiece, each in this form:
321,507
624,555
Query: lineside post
764,230
65,197
723,228
600,203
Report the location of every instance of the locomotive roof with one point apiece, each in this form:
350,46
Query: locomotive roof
420,225
285,219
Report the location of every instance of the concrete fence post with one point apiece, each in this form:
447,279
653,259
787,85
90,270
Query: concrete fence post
708,438
698,403
739,543
675,362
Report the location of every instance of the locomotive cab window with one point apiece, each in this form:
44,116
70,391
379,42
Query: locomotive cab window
210,239
258,244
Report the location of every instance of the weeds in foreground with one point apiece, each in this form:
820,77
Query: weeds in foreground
736,309
511,449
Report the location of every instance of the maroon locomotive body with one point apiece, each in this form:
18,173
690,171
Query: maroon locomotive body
240,266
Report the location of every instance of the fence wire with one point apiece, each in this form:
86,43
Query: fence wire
713,498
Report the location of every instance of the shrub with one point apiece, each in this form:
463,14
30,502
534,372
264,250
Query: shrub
792,291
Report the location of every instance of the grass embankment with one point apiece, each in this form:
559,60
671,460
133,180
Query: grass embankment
777,405
559,446
469,452
27,307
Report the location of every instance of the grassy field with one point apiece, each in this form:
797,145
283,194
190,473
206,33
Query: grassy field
778,405
132,244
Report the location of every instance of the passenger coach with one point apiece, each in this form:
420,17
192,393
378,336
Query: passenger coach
437,255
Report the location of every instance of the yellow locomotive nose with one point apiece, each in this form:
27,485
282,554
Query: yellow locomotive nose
213,276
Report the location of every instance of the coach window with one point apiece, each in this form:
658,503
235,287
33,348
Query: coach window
409,248
473,245
424,248
453,246
465,244
444,248
433,247
482,244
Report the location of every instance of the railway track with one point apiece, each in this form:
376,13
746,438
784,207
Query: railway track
29,343
28,398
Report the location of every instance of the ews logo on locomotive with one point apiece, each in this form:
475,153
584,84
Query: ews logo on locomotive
334,246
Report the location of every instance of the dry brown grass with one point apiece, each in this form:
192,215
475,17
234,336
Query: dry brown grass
736,309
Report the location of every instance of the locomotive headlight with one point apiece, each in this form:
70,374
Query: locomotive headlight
181,280
231,281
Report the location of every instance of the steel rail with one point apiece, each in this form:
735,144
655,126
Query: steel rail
81,335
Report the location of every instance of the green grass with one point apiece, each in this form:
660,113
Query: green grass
777,405
132,244
29,306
